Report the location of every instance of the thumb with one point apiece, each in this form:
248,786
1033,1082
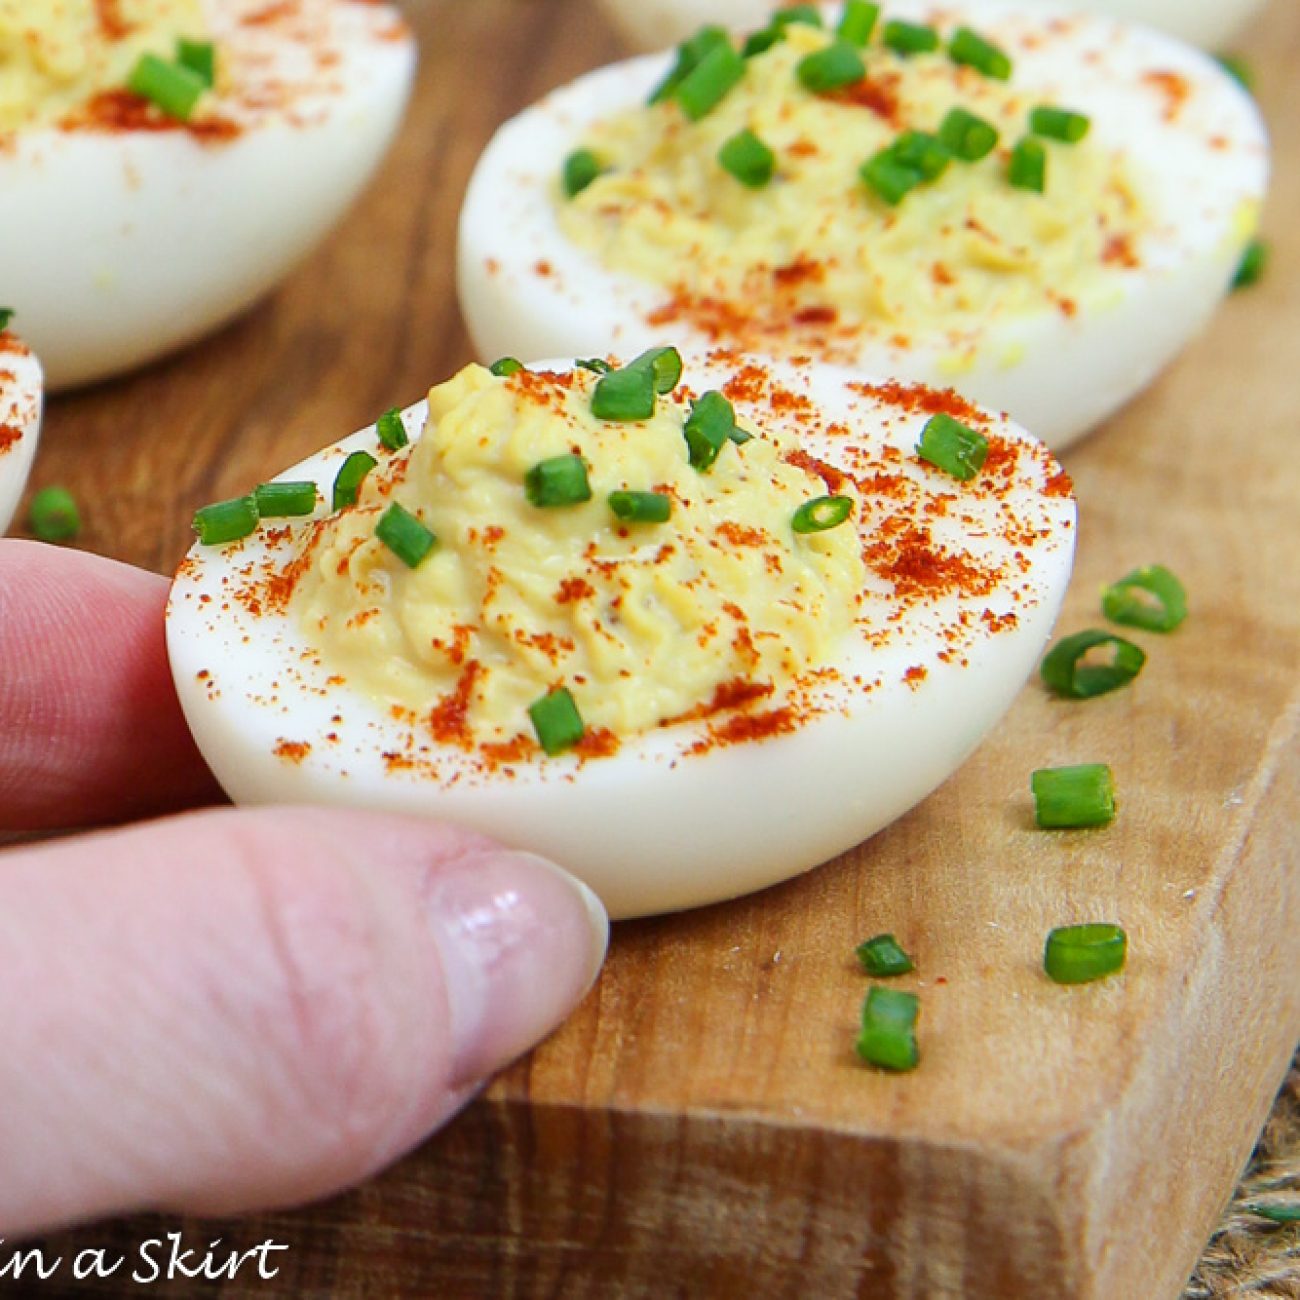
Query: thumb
241,1009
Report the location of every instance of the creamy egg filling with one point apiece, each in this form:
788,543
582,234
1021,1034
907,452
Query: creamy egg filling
643,623
815,246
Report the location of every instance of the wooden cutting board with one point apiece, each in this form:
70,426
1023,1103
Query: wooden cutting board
701,1127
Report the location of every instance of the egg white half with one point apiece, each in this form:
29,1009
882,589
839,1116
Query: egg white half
1202,156
20,421
676,818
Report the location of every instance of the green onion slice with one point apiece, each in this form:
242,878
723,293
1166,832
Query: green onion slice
890,179
580,168
761,41
558,481
503,367
347,482
174,89
556,721
53,515
200,57
1151,598
923,153
226,521
392,432
708,429
6,315
1238,69
597,365
1059,124
405,535
909,38
1065,672
1027,168
837,65
689,54
858,21
974,51
625,395
1070,797
1078,954
821,513
966,136
284,500
883,956
748,159
953,447
1252,264
665,364
641,507
888,1037
709,83
809,15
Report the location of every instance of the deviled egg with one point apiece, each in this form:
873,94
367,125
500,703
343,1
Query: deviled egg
20,417
688,633
163,163
1039,210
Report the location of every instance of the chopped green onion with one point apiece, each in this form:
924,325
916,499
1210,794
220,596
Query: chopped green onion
597,365
953,447
624,395
392,432
200,57
1078,954
6,315
226,521
966,136
558,481
909,38
580,168
503,367
1238,69
809,15
1068,797
1027,169
1065,672
761,41
974,51
557,721
1275,1213
172,88
837,65
689,54
347,483
889,178
1252,264
641,507
748,159
888,1037
1151,598
708,428
54,517
883,956
283,500
405,535
923,153
740,436
709,83
664,363
1059,124
858,21
821,513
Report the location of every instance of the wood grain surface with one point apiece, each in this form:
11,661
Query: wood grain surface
700,1126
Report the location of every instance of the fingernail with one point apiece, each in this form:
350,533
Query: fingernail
521,942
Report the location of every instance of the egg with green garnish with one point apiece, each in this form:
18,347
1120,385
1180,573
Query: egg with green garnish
1040,213
20,417
163,163
688,626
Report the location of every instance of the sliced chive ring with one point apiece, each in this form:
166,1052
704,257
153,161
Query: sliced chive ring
391,430
821,514
1059,124
625,395
597,365
1252,264
1063,668
909,38
581,167
226,521
761,41
971,49
1238,69
858,21
748,159
1151,598
888,178
504,367
883,956
923,153
888,1037
1079,954
708,429
285,500
6,315
832,68
558,481
53,515
641,507
170,87
405,535
689,54
710,81
556,721
347,482
953,447
808,15
1067,798
664,363
1027,167
966,136
200,57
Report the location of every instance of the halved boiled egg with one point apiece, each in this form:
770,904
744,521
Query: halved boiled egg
20,420
685,643
1040,210
129,231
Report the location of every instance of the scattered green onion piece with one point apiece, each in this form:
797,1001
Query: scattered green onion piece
974,51
391,430
664,363
966,136
710,82
1070,797
173,89
405,535
889,178
1238,69
1151,598
285,500
502,367
558,481
1064,671
909,38
883,956
1027,169
54,517
1252,264
347,482
708,429
748,159
597,365
761,41
740,436
953,447
1059,124
888,1037
689,54
226,521
641,507
808,15
581,167
624,395
831,68
1275,1213
923,153
1078,954
6,315
821,513
556,721
858,21
200,57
